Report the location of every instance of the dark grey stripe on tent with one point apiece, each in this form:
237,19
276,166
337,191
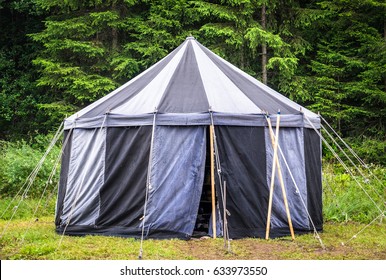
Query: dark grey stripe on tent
257,95
122,195
67,135
132,90
312,151
185,93
244,169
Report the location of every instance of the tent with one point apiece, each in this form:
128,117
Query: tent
138,162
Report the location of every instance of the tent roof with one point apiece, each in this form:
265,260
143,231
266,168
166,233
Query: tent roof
192,79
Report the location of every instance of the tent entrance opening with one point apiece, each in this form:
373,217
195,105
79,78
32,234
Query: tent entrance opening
205,207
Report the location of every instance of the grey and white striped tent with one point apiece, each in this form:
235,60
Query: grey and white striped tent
138,158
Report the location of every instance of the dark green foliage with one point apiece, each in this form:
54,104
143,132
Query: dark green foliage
79,42
158,28
233,29
19,96
329,55
346,79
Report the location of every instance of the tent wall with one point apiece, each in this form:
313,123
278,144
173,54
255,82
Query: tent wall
291,144
85,176
110,198
178,166
242,157
313,157
114,157
104,175
122,194
246,156
66,153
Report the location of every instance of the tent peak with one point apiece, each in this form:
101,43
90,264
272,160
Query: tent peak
190,37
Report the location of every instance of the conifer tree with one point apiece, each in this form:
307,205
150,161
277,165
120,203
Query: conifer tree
19,98
156,30
81,39
250,32
349,66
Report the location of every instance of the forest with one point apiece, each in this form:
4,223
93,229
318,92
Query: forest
57,56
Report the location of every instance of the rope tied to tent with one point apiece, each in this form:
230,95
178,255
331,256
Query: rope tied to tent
344,165
363,164
49,180
381,212
31,178
316,234
148,184
85,171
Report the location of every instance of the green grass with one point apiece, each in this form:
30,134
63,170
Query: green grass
347,211
353,198
27,239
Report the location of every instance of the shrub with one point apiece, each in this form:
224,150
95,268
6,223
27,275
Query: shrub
368,149
18,160
348,199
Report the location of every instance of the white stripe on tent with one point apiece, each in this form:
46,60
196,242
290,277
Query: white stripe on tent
148,99
271,91
291,142
222,94
85,176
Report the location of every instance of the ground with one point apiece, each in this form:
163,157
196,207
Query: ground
21,239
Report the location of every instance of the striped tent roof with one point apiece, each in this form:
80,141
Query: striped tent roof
192,79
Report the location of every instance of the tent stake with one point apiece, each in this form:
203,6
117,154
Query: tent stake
211,128
225,233
276,161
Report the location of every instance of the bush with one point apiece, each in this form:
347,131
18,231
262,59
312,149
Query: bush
368,149
18,161
345,200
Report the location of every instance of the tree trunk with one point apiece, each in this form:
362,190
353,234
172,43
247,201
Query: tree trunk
114,33
263,48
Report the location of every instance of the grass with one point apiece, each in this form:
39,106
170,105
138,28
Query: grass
27,239
347,211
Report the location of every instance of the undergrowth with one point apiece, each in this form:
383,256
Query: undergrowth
17,162
358,195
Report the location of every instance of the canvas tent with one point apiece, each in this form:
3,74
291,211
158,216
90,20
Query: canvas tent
136,161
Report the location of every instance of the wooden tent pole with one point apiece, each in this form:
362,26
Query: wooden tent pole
281,183
211,128
272,178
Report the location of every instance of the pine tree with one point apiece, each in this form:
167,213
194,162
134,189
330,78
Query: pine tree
156,30
81,40
349,66
19,98
258,36
91,47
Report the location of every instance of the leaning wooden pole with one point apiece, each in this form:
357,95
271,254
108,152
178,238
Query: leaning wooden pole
276,161
272,178
211,129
